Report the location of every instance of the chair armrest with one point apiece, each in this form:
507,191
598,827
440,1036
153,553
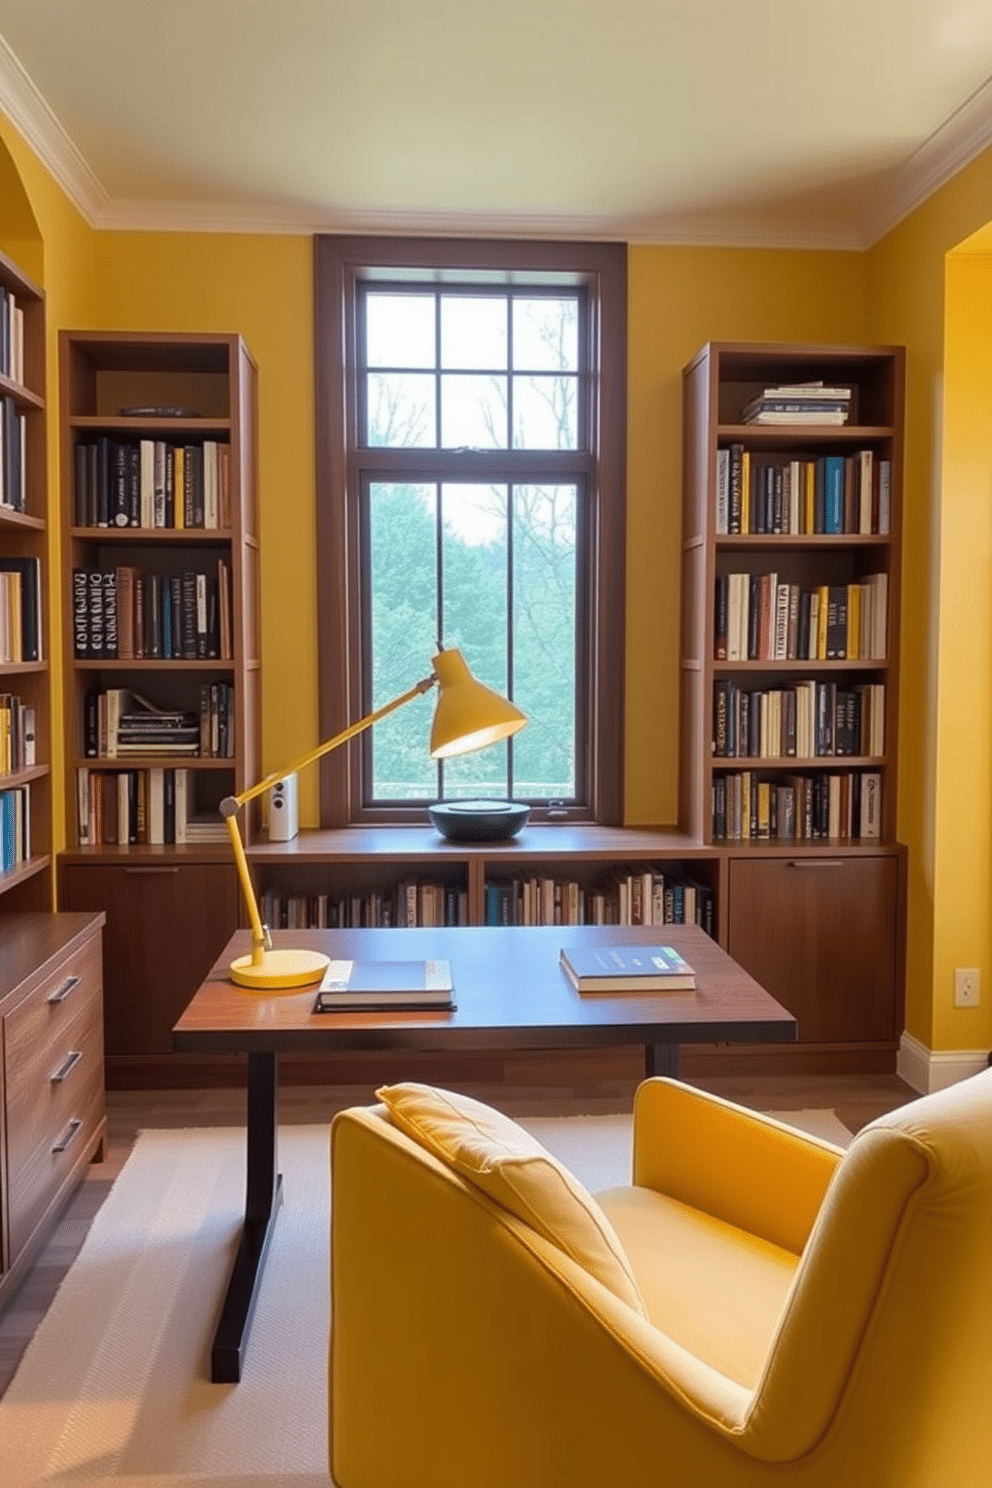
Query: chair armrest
744,1168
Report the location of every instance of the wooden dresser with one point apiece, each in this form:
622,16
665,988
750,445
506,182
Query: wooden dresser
52,1115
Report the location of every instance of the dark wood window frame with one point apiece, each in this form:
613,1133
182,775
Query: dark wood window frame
340,264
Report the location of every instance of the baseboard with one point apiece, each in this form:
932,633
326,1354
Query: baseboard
927,1070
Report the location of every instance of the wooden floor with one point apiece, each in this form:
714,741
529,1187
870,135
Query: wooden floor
856,1099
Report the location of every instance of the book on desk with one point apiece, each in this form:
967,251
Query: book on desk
385,986
626,968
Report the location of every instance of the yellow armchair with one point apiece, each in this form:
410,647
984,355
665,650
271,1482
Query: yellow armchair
797,1315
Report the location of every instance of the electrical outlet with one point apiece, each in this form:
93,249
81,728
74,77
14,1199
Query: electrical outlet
967,986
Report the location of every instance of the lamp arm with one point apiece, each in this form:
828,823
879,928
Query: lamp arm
261,940
424,685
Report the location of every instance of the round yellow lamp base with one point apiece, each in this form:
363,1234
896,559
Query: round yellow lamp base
284,968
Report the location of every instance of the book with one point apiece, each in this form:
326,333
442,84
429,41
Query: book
385,985
626,968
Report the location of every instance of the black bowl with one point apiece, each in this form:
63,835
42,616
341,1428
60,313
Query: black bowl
478,821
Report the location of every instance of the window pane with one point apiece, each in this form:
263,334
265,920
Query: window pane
403,566
545,335
545,413
473,412
544,522
400,330
475,567
400,410
473,332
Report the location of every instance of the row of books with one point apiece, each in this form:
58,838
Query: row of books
151,483
119,722
20,609
808,720
649,896
410,902
797,808
17,745
13,466
15,827
136,807
799,403
759,617
828,494
126,613
11,336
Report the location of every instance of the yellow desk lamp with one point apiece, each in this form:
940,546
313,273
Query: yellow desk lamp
468,716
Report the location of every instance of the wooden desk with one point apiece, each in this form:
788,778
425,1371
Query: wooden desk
511,994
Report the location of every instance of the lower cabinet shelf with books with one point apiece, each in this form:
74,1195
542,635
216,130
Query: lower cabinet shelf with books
821,925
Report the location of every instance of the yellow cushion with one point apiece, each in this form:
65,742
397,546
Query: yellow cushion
714,1289
511,1166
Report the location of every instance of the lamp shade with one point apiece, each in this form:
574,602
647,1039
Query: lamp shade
468,714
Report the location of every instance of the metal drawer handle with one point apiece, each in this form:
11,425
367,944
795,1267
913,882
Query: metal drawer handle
70,1133
61,993
67,1066
816,862
145,872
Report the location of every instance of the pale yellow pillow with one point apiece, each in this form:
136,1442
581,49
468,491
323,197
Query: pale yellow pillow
512,1167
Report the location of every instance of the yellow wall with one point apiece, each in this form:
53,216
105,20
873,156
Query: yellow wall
918,295
679,298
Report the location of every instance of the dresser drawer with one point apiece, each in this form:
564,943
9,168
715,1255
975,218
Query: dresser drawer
38,1020
53,1074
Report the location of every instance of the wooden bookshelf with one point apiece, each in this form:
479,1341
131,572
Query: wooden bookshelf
815,888
169,890
25,765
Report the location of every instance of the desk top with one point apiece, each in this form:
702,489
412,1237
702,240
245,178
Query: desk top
510,991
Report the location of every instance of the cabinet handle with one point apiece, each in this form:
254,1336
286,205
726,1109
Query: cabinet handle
67,1066
61,993
71,1132
816,862
146,872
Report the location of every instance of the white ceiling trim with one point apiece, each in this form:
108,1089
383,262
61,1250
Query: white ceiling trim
953,145
949,149
25,107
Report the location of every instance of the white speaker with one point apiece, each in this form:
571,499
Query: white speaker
284,821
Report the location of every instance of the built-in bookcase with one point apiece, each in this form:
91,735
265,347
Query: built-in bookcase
160,586
791,568
25,701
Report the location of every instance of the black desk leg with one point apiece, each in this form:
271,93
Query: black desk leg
661,1059
263,1195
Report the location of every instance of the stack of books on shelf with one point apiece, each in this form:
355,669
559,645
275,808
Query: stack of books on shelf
653,895
20,609
805,720
17,750
802,495
759,617
126,614
151,483
799,403
797,808
119,722
141,807
410,902
15,827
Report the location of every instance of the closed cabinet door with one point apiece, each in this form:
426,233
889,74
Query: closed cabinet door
821,934
166,926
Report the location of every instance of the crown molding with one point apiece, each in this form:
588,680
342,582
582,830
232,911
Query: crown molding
31,115
949,149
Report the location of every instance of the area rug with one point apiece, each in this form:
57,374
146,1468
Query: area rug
114,1390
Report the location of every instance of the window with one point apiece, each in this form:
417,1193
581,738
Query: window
470,403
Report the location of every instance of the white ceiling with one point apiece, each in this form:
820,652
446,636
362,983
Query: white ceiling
818,123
